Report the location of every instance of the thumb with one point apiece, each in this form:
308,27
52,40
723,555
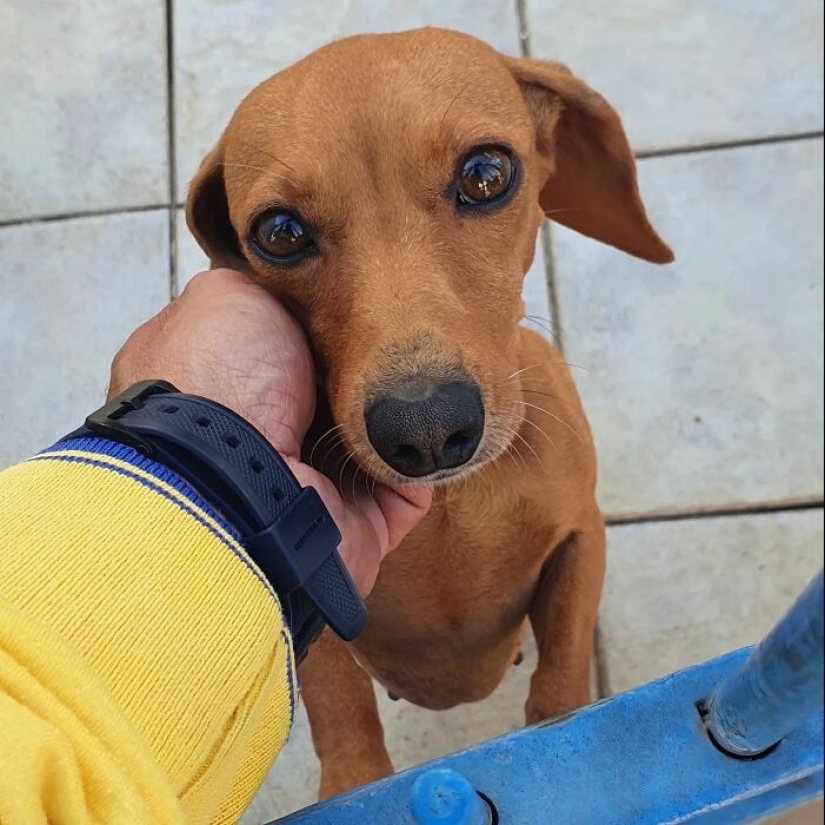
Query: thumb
370,527
402,510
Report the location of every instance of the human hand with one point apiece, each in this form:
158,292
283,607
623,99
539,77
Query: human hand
226,339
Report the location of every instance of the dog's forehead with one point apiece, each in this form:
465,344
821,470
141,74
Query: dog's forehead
413,81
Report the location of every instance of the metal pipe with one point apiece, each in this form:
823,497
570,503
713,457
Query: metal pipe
779,686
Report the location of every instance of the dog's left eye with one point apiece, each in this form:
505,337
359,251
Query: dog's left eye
281,236
485,176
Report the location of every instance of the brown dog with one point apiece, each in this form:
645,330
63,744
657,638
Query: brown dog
390,189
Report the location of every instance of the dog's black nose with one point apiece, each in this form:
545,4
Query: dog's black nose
422,425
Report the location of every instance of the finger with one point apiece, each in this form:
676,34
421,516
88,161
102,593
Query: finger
361,544
361,548
373,527
401,510
217,279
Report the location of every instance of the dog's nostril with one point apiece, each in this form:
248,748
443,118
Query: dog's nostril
407,454
458,442
460,447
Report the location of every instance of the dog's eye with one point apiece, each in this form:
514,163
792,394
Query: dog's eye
281,235
485,175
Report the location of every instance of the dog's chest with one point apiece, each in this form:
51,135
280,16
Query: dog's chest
470,568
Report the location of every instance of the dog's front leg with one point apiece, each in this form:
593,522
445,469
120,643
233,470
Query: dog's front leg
343,715
563,615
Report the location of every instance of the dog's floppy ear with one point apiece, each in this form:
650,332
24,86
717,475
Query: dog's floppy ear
592,187
207,212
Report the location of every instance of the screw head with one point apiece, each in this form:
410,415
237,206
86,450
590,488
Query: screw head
444,797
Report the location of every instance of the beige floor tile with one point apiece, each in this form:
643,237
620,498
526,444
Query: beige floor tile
538,314
190,258
692,73
83,104
703,380
72,291
682,592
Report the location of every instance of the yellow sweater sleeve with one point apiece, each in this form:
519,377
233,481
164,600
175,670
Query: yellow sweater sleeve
146,673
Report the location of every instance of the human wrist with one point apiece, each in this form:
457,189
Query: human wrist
285,529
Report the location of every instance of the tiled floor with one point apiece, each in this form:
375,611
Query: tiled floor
703,381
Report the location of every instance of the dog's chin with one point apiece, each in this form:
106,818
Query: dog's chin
375,468
441,478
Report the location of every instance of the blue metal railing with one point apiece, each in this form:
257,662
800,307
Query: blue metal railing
780,685
733,740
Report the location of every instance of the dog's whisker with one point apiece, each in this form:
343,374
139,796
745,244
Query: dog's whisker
553,323
269,155
562,209
571,365
331,452
361,482
453,101
540,323
320,441
502,439
341,473
332,448
544,319
510,379
515,450
510,448
555,397
519,372
250,166
511,454
555,417
536,426
527,444
558,398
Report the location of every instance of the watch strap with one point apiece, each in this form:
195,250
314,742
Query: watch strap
286,529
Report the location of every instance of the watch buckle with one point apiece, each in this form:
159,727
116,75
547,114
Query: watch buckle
104,422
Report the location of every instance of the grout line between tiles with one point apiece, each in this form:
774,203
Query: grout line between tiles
545,233
733,144
600,661
79,215
171,149
551,282
728,512
523,28
647,155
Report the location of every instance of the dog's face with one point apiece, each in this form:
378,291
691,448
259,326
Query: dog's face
390,188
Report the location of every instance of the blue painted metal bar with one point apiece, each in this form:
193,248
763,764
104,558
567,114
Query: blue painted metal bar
780,685
641,758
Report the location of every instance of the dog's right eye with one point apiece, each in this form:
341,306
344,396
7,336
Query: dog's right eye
281,236
485,176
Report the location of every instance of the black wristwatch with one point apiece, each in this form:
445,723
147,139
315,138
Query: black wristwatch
285,528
